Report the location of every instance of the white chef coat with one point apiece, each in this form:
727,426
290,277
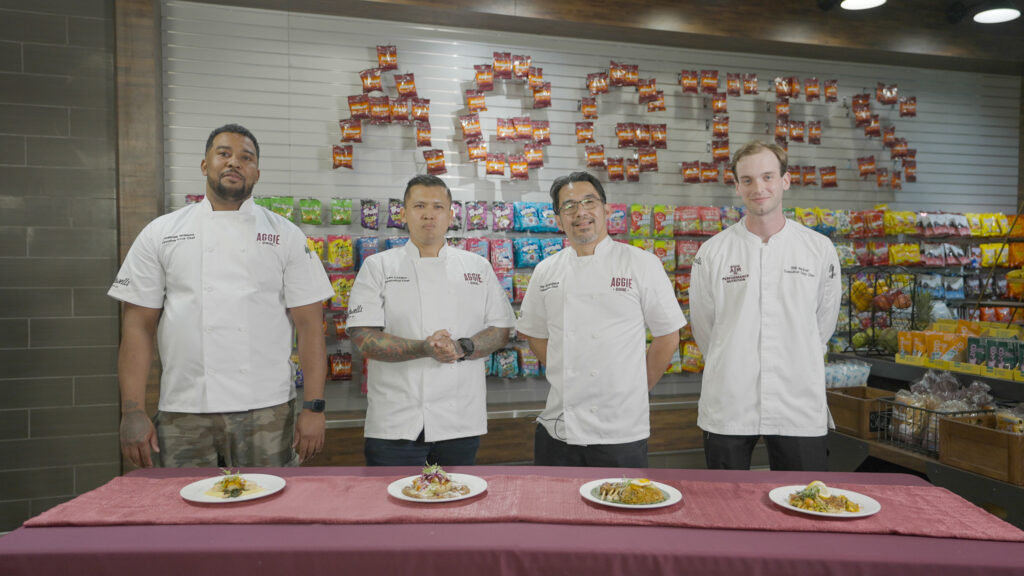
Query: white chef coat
413,297
224,280
592,310
762,314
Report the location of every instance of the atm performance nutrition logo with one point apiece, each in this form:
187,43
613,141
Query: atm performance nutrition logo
735,274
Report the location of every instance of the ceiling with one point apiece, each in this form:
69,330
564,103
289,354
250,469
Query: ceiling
904,32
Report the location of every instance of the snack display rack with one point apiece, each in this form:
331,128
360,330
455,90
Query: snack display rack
879,302
914,428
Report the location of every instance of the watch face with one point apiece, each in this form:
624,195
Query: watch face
467,345
315,405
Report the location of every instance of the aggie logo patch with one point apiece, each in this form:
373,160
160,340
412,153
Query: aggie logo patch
621,283
268,239
473,278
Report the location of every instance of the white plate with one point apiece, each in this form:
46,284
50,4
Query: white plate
588,489
477,486
196,491
868,505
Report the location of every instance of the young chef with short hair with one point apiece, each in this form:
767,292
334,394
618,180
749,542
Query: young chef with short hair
584,316
764,299
427,316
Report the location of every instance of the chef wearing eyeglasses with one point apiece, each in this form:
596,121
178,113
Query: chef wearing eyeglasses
584,315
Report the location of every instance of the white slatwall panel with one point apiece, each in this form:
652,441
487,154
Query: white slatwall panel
287,76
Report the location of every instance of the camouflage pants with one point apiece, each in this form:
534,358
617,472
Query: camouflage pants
261,437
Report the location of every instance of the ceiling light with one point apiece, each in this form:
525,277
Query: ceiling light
997,12
986,12
860,4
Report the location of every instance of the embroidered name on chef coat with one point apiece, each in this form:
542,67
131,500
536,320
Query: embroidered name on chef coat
172,238
794,269
390,279
268,239
549,286
621,283
473,278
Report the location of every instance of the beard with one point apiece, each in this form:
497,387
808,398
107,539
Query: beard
233,194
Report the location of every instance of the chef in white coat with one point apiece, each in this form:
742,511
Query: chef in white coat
584,316
427,316
764,299
222,281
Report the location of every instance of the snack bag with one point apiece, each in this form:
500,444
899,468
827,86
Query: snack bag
476,215
484,77
527,217
421,109
686,251
387,57
341,211
502,214
665,250
309,210
548,219
339,252
584,132
369,215
456,223
710,220
342,284
341,157
645,244
435,162
527,252
521,66
395,242
692,359
639,220
366,246
495,164
316,246
686,221
396,214
550,247
616,168
617,218
501,254
662,221
479,246
588,106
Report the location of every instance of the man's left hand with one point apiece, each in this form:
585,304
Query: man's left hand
309,434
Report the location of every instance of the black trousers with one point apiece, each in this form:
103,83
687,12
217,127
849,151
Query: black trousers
548,451
723,452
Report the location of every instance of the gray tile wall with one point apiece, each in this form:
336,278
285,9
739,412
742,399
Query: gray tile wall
58,254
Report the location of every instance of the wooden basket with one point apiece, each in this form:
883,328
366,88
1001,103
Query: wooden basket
974,444
855,410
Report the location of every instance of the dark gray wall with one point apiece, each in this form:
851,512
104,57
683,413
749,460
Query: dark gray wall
58,254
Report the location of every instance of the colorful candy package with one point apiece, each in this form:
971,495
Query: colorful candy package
527,252
366,246
476,215
520,281
527,217
395,242
618,215
505,281
662,221
339,252
457,216
479,246
639,220
550,247
548,218
283,206
501,254
316,246
369,214
665,250
342,284
502,216
396,216
309,210
341,211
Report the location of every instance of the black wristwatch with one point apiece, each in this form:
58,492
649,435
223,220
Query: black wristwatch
317,405
467,348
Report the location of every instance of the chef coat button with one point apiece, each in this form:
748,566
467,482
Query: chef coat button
593,372
595,335
244,370
207,329
209,248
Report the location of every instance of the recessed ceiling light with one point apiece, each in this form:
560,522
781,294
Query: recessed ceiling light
861,4
997,14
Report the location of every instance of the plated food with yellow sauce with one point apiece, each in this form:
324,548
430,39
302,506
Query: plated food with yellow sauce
817,499
436,485
630,493
232,487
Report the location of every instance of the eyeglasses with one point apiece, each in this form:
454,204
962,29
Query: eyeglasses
571,206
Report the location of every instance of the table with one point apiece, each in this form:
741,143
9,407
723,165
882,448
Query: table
499,548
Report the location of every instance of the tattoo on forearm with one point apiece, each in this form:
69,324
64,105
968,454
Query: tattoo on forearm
488,340
373,343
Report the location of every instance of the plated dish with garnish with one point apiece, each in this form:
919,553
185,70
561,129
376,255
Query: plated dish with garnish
632,493
232,487
434,485
817,499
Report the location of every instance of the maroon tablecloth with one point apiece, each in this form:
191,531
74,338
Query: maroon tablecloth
471,546
908,510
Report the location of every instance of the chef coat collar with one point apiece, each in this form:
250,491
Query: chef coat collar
602,247
414,252
246,208
751,237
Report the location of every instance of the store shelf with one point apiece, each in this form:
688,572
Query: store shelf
1004,500
887,374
